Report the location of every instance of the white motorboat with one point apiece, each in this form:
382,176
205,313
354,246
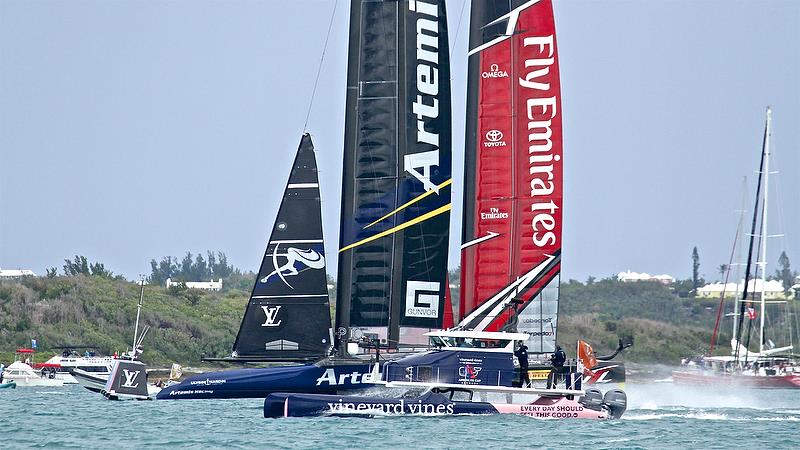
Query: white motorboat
24,376
62,366
92,381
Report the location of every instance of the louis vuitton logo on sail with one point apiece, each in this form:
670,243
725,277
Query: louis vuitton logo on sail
426,105
540,106
271,316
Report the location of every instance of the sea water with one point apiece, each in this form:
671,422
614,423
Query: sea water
660,415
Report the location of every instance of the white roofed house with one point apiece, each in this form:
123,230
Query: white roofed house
773,289
6,274
205,285
628,276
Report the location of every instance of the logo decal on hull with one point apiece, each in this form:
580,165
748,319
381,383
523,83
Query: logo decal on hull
355,377
309,258
130,378
469,372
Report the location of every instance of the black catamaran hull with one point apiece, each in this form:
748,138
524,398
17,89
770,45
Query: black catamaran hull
260,382
335,377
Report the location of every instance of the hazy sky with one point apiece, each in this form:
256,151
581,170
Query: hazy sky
132,130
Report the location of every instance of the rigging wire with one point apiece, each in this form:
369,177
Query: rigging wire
724,287
321,60
458,28
781,216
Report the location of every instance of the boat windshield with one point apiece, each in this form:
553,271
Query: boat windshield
461,342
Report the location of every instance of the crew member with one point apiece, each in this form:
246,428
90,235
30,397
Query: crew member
522,355
558,358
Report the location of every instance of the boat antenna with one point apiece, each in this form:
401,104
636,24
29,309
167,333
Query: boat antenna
319,69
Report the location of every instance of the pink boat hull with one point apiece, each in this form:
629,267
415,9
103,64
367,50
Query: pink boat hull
741,381
551,408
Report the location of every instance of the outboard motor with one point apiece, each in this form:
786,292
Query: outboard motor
616,401
592,399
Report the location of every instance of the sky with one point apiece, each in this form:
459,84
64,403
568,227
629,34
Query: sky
134,130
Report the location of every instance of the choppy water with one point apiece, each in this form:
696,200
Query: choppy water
659,416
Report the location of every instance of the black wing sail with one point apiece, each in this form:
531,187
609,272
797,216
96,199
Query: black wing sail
397,171
288,314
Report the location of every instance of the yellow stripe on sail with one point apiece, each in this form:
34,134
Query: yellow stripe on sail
411,202
419,219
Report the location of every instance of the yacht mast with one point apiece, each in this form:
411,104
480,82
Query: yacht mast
763,263
136,327
738,273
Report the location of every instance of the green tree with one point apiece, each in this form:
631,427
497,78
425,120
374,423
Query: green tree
52,272
186,267
200,269
161,270
723,269
695,269
784,272
78,266
99,269
218,265
81,266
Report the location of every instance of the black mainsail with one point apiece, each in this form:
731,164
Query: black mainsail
395,215
288,314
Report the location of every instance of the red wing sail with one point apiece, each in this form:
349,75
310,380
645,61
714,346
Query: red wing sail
513,164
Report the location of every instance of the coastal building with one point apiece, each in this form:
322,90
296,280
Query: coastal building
205,285
6,274
773,289
628,276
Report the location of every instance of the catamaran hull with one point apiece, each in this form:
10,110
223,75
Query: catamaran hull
258,383
308,379
737,381
310,405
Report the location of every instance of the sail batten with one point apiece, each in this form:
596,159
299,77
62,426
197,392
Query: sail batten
289,302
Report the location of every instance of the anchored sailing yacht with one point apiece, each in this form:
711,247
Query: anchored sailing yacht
768,368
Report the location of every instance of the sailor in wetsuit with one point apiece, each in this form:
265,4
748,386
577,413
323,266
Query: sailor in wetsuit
522,355
558,358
